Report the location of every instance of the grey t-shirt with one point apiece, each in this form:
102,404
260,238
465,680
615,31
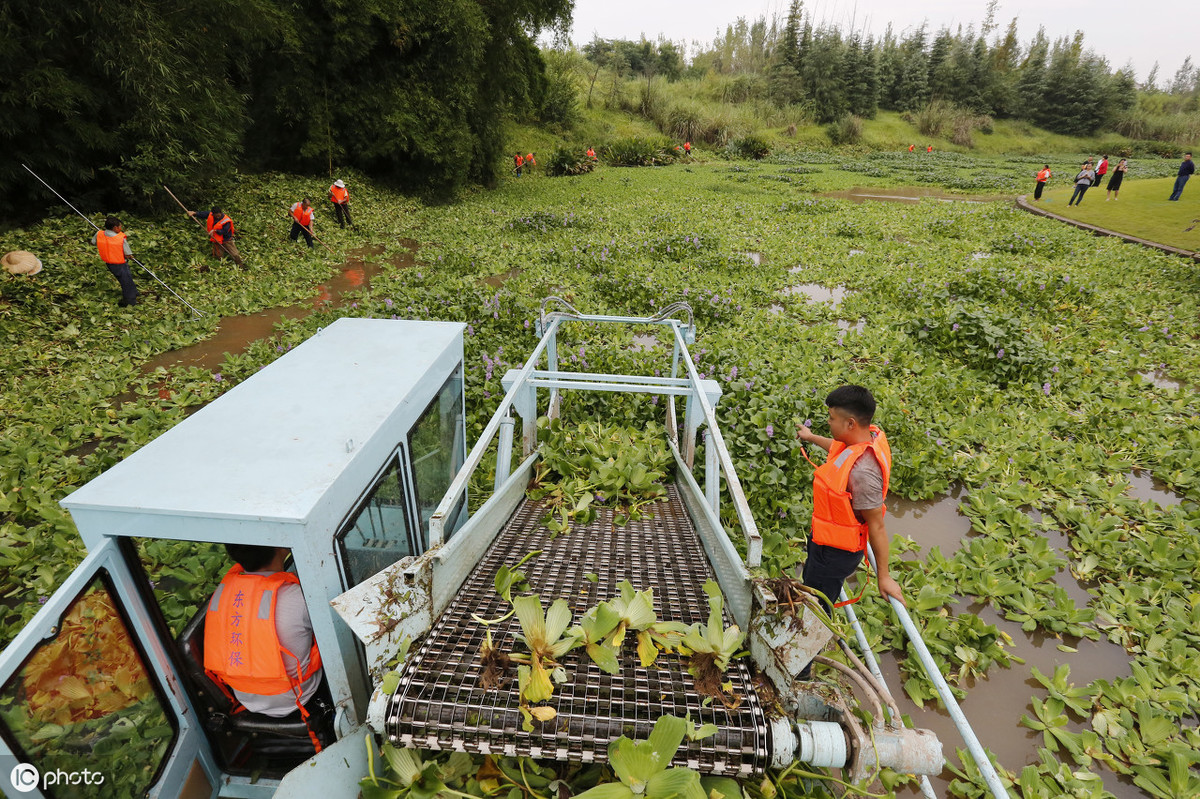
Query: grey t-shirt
294,628
865,484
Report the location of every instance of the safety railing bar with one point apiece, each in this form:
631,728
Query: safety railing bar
459,484
741,507
605,376
873,667
633,388
982,761
662,317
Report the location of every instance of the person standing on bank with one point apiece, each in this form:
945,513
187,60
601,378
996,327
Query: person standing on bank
340,197
302,217
1083,181
1042,177
848,494
114,251
1186,170
1114,180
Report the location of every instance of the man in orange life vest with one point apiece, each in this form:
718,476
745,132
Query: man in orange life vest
302,217
340,197
258,637
520,162
221,234
114,251
848,493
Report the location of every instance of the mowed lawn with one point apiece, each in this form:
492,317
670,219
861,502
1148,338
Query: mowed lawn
1141,210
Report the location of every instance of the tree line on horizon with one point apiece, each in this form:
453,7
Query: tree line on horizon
108,103
1058,85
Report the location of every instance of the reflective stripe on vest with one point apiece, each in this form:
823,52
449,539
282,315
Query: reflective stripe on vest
339,194
302,216
111,248
833,522
241,644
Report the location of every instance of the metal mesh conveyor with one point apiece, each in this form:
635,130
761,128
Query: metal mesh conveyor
440,703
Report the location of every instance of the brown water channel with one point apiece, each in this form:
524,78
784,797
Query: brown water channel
995,704
235,333
906,194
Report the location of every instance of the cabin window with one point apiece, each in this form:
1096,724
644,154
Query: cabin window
379,533
438,451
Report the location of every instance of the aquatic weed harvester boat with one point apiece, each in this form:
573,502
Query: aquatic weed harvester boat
350,450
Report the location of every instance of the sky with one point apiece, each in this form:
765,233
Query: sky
1166,31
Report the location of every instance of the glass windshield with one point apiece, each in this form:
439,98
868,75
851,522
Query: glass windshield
83,708
378,534
438,452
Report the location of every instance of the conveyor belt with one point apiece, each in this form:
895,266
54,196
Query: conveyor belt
440,703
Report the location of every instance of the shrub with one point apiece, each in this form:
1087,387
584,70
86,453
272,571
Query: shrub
847,130
931,119
751,146
569,161
636,151
964,126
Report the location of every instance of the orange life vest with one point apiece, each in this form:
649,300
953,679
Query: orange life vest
910,147
302,216
241,645
591,153
687,146
529,160
833,522
111,248
214,231
929,149
1043,176
339,194
208,223
519,160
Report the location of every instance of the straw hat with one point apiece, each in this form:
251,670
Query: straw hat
20,262
339,184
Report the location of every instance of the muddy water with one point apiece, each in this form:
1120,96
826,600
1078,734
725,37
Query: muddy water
847,325
1143,485
235,333
905,194
817,293
994,705
1158,378
755,257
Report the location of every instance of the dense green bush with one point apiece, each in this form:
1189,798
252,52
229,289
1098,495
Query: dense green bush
847,130
569,161
751,146
637,151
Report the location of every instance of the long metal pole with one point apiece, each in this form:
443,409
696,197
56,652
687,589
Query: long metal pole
982,762
873,666
93,224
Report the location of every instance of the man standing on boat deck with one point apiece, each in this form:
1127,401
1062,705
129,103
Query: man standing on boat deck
848,494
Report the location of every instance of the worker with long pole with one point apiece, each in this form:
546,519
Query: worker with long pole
123,247
301,215
219,229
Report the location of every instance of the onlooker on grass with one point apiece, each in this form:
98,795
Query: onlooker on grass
1186,170
1085,178
1042,177
1114,180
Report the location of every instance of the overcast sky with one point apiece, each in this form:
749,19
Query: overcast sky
1143,32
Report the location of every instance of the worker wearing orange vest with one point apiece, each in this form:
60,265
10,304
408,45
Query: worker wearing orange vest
302,218
221,234
687,148
258,638
340,197
929,149
1043,175
114,251
911,147
848,494
591,153
520,162
529,162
